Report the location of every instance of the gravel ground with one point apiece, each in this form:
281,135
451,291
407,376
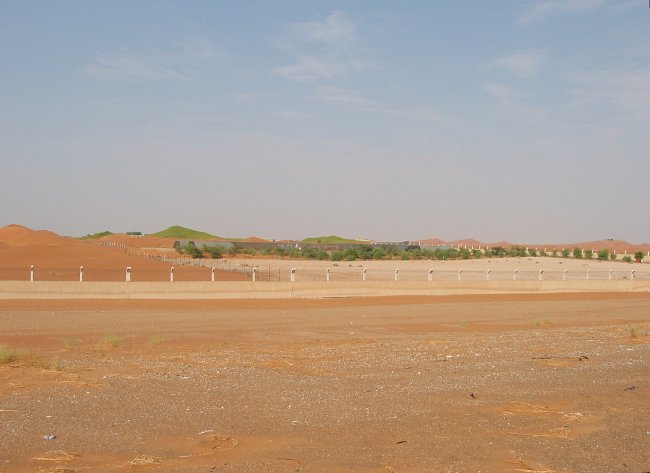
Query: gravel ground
510,384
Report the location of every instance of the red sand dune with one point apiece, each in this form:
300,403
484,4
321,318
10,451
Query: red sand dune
57,258
430,241
139,242
619,245
468,242
254,239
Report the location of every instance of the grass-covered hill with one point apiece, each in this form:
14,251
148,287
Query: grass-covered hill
177,231
328,240
96,236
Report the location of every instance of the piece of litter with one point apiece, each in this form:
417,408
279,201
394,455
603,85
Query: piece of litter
206,431
49,437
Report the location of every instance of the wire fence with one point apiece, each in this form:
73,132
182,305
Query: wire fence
214,269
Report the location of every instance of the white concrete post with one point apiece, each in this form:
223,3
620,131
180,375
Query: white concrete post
171,274
293,274
609,277
540,276
430,275
128,274
254,272
363,274
588,271
213,271
81,274
487,274
564,275
327,275
632,274
31,273
460,272
396,273
514,275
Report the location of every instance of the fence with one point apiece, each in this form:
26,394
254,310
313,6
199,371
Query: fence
271,274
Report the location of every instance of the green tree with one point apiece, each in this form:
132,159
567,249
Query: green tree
577,253
215,252
638,255
565,252
603,255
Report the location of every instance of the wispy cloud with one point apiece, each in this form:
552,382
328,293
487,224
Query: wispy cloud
182,61
340,96
521,63
502,92
125,67
625,91
310,68
542,9
335,29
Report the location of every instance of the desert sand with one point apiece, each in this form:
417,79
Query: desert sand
58,258
513,383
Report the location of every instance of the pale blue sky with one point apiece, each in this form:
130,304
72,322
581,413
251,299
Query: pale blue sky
520,120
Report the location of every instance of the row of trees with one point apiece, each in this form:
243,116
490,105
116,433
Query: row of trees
376,252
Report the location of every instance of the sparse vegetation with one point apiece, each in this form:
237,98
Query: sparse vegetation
112,340
95,236
627,258
177,231
589,254
70,343
565,252
329,240
155,340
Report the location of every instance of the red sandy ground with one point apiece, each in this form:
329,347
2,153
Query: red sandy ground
492,384
58,258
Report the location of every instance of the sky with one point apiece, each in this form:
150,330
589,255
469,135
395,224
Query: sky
526,121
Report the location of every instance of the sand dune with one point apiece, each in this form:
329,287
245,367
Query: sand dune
58,258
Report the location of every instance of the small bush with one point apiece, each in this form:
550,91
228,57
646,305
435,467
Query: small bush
577,253
589,254
627,258
112,340
7,355
603,255
639,255
532,252
612,256
565,253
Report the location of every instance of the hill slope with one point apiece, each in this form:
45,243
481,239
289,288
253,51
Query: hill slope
331,239
177,231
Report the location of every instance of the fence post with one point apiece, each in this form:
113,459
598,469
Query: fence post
487,274
609,277
514,275
632,274
564,275
31,273
327,275
430,275
81,274
363,274
213,271
171,274
128,274
293,274
460,271
254,272
396,273
587,276
540,276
